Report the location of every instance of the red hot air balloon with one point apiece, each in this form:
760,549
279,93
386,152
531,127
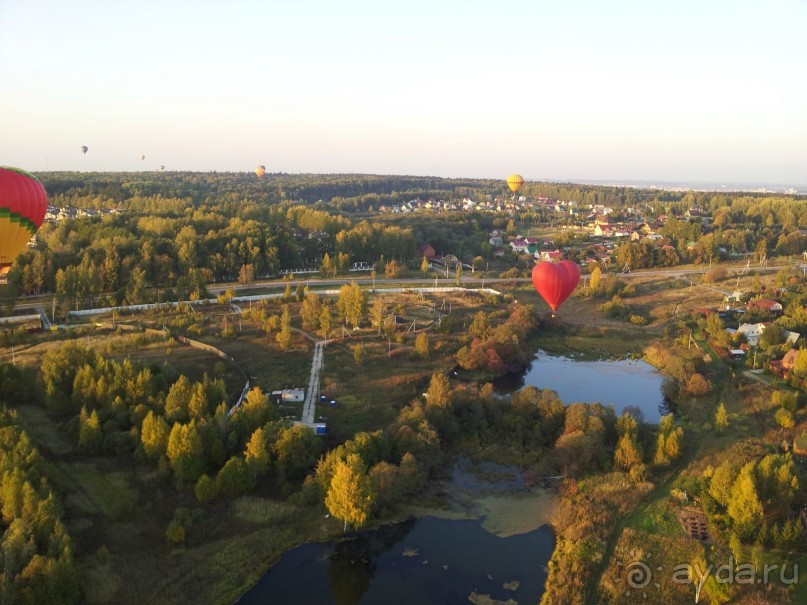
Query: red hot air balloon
23,203
555,282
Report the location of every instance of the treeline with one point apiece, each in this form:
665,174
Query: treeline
36,558
182,427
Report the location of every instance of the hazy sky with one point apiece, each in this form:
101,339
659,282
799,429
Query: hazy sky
705,90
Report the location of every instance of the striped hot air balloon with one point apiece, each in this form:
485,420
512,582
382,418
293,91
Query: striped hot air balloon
23,203
515,181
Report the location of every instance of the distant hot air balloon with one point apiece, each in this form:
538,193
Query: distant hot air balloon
84,149
260,171
555,282
515,181
162,167
23,203
142,157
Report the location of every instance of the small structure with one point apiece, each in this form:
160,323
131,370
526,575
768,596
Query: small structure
737,353
694,523
289,396
320,428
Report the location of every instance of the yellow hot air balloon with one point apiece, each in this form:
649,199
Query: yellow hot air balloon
515,181
260,171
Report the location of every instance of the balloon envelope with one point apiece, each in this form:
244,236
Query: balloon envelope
84,149
23,203
515,181
260,171
554,282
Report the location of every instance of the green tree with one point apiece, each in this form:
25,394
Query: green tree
235,478
349,496
296,451
90,437
175,532
206,489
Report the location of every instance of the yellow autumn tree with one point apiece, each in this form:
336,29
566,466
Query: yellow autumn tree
349,496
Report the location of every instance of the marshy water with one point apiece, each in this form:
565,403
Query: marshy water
490,544
428,560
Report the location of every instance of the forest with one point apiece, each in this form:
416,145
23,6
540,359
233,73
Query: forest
188,468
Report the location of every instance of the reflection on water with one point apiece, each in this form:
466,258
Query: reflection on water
625,384
425,561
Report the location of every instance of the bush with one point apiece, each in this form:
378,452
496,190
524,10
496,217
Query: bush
175,533
638,320
715,275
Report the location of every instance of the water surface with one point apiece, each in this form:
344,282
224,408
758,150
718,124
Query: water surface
626,383
428,561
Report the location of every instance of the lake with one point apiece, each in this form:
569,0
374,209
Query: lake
624,383
429,561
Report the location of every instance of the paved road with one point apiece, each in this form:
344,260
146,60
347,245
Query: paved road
442,282
312,393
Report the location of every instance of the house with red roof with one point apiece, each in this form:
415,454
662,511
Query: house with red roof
764,304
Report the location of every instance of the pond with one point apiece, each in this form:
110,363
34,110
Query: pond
624,383
428,560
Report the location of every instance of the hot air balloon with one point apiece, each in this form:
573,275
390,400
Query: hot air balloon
515,181
554,282
142,157
23,203
162,167
84,149
260,171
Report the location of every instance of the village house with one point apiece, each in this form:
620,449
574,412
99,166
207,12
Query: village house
752,332
782,366
549,255
427,251
764,304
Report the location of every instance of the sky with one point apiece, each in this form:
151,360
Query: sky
706,90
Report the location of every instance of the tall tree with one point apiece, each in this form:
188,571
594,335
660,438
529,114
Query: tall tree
349,496
352,303
721,418
283,337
